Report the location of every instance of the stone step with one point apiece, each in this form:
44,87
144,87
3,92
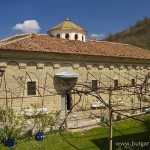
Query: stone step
81,114
82,119
83,129
72,118
83,123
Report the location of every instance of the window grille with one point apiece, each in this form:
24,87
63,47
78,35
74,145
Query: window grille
115,83
31,88
94,84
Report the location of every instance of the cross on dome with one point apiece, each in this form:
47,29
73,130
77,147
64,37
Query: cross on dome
67,19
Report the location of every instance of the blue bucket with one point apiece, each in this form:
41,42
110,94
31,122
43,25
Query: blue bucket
39,137
10,143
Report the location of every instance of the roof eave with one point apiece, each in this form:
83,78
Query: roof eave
83,30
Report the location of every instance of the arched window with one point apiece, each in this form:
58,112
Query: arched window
58,35
67,36
76,36
82,38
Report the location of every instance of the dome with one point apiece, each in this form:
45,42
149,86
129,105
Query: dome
68,30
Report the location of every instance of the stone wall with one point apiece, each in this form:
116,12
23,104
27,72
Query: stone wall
49,89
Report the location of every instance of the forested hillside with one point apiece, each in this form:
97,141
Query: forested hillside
137,35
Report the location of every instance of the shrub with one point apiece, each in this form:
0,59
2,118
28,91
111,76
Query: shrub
12,125
118,117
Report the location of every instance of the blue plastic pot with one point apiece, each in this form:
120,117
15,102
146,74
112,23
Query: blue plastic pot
39,137
10,143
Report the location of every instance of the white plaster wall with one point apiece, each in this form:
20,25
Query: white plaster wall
70,32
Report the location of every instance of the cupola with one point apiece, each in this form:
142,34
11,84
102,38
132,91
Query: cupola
68,30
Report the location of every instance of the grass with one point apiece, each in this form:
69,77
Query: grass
95,139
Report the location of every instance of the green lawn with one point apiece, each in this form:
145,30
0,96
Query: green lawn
96,139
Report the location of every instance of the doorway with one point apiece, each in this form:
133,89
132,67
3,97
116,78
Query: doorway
69,101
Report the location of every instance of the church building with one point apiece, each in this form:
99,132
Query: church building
38,68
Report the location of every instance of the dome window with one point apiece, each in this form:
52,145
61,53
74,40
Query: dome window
58,35
76,36
82,38
67,36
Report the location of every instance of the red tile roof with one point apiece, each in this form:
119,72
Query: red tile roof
45,43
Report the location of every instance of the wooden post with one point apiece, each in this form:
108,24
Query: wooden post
110,121
66,114
141,104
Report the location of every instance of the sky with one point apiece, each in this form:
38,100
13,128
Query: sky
98,17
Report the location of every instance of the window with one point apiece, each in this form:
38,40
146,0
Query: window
115,83
31,88
94,84
67,36
1,72
58,35
133,82
82,38
76,36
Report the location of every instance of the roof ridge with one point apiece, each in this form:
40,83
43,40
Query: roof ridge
72,24
113,43
28,35
13,36
58,25
123,44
